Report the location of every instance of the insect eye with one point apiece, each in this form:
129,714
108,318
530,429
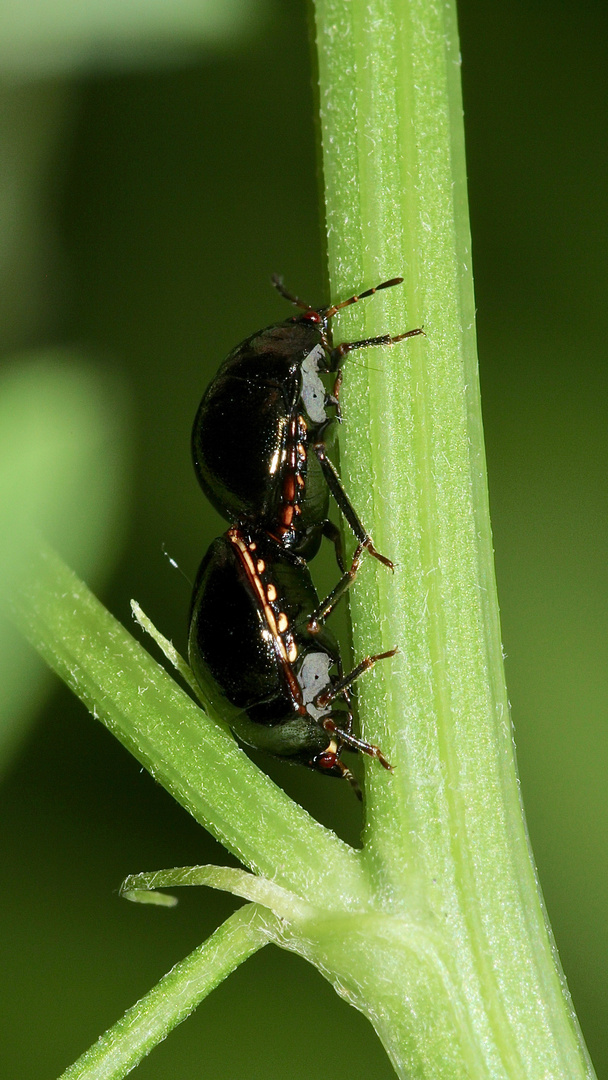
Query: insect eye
311,317
325,761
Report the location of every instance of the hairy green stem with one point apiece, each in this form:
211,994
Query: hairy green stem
177,994
446,844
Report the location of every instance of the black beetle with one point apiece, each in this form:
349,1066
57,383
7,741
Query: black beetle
262,656
259,420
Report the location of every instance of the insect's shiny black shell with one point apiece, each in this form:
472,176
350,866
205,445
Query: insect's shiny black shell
258,645
249,645
252,432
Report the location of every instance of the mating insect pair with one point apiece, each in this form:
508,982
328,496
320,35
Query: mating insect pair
258,644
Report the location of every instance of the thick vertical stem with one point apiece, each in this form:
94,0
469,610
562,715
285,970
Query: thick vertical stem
445,835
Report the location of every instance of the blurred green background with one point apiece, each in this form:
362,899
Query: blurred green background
152,181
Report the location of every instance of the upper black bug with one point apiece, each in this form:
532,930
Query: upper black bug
261,433
259,651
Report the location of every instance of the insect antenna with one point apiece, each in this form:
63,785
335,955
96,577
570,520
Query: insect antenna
352,779
330,311
277,281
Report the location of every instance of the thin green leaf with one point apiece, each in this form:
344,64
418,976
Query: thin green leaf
249,886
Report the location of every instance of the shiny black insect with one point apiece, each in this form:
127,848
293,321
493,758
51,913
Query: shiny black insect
262,431
262,656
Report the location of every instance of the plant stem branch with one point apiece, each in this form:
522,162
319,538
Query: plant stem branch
177,994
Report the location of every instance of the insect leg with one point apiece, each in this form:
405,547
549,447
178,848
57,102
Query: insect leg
335,486
326,607
334,397
354,743
327,696
340,351
333,533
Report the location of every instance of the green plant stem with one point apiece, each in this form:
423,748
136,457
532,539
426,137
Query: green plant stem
446,844
177,994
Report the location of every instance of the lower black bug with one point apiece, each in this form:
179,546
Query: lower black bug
261,653
261,441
